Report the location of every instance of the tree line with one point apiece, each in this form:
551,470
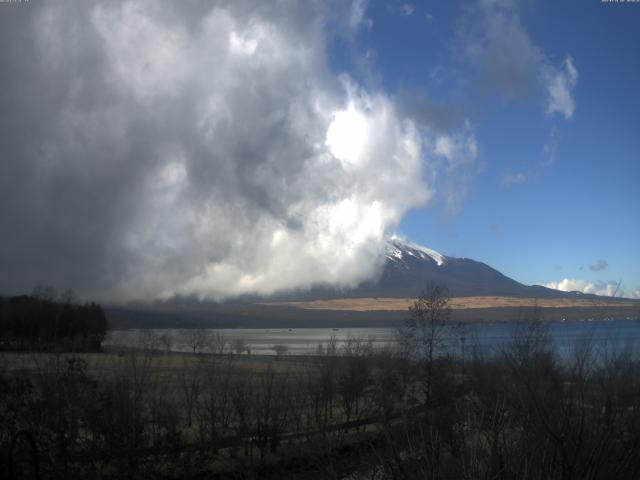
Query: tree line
42,322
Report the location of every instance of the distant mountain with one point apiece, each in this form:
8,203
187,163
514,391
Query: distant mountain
410,267
407,270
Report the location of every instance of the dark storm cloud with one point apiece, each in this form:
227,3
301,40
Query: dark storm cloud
56,219
154,148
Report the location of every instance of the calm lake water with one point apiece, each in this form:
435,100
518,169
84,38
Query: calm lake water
605,336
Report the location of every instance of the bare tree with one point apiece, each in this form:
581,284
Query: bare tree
239,346
424,331
215,409
195,339
147,341
166,341
355,374
270,408
217,343
44,292
280,350
68,296
461,330
191,381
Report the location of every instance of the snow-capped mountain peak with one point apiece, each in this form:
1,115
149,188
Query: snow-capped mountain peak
398,248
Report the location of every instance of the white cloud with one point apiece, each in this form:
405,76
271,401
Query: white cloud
453,161
636,293
458,149
606,289
208,152
510,179
326,162
358,17
348,135
560,85
550,148
407,9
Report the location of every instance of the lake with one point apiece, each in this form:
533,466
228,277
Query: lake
605,335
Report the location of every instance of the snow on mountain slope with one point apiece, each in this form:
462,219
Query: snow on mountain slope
409,267
398,248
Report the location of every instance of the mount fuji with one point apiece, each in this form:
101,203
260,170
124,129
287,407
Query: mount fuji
409,267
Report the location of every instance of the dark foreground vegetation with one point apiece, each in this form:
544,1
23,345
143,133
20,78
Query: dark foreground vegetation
350,412
39,322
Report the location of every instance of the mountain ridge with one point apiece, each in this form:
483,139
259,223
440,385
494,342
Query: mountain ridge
410,267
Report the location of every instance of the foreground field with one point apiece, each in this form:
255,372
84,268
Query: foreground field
142,413
349,412
456,303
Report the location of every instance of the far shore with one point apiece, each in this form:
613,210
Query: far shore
361,312
456,303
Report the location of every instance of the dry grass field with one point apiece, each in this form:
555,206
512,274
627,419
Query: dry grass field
457,303
142,413
167,365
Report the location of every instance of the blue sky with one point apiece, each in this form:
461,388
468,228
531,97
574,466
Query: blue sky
536,215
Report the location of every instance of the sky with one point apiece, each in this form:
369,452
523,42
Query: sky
158,148
554,197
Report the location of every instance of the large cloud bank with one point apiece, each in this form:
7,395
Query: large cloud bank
158,148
